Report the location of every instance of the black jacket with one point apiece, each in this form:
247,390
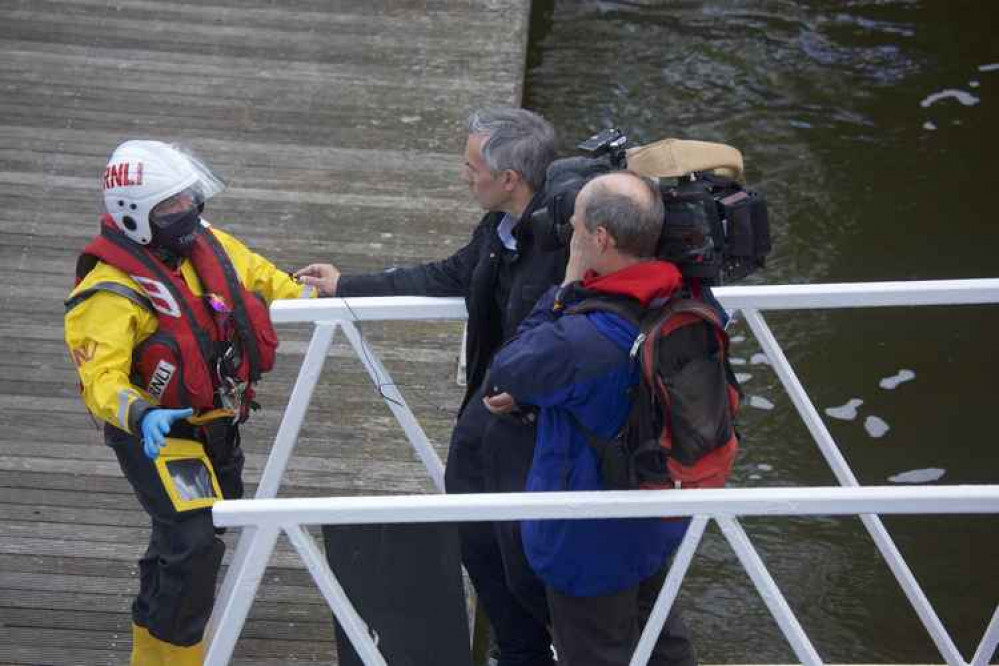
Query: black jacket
472,272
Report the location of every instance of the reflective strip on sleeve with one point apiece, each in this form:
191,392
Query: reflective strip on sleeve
125,399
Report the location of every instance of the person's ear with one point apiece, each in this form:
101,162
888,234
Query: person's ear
510,179
604,240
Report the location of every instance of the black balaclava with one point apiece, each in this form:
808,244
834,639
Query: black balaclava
176,232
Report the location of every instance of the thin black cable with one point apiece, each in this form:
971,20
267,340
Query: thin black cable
379,383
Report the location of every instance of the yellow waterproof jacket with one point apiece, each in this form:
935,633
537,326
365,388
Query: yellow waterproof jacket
103,328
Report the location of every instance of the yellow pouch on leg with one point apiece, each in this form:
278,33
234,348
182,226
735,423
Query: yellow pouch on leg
187,474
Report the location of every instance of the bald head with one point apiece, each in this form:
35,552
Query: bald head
628,206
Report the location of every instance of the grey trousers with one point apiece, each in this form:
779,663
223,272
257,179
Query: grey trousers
604,630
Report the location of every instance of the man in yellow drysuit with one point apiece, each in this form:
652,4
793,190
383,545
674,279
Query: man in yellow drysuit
169,329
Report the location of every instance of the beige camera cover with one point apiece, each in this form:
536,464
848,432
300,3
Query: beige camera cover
670,158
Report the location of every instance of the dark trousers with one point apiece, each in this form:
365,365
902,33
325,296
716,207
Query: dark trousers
178,571
491,454
604,630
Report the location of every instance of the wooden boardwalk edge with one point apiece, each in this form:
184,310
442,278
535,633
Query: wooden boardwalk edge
339,129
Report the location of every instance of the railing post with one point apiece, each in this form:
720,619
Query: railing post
231,613
257,541
393,398
671,587
841,469
357,630
298,405
768,589
284,443
990,640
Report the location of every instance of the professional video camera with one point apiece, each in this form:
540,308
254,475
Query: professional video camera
714,229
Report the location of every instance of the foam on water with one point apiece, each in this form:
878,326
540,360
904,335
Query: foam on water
962,96
876,426
918,475
904,375
846,412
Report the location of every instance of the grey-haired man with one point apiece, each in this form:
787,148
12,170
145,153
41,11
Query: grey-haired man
501,272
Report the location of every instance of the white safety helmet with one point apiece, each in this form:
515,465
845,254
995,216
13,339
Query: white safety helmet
141,174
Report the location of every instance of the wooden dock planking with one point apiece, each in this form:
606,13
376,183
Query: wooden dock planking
338,128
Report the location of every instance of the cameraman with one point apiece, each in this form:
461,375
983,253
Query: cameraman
501,272
602,577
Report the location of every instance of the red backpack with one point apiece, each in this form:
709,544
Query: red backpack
679,432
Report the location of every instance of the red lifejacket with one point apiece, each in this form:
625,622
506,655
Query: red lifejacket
196,348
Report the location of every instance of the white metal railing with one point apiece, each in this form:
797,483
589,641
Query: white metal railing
264,518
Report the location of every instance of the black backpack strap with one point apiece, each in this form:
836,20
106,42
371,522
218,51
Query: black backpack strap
626,308
612,456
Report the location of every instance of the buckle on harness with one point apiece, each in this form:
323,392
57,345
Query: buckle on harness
231,393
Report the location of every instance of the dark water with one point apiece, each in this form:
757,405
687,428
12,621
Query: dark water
869,177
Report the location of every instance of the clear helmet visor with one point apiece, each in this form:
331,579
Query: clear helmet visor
180,206
201,185
208,184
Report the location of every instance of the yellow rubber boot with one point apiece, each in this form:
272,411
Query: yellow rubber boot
176,655
146,650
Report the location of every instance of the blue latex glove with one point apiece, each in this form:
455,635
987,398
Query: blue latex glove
155,426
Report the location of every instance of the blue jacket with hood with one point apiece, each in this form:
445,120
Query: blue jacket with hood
578,366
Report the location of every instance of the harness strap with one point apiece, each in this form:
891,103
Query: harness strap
114,288
242,319
200,335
